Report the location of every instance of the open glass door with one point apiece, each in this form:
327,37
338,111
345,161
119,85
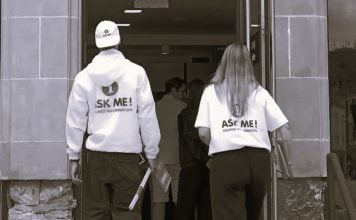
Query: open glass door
259,21
253,23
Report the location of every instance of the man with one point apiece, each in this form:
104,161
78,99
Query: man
168,109
194,187
112,100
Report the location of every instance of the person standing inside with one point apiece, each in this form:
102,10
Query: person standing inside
168,109
112,100
234,117
193,188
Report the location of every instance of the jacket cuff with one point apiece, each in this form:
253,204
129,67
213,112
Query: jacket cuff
151,156
74,156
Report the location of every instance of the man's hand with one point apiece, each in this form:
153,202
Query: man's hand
74,164
153,163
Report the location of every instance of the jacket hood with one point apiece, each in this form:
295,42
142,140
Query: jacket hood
106,67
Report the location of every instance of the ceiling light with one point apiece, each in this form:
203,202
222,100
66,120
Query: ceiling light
123,25
135,11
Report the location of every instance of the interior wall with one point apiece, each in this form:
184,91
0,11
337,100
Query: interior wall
186,62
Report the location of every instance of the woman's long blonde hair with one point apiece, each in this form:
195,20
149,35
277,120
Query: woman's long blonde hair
234,79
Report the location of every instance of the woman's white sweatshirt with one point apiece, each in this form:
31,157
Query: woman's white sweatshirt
112,100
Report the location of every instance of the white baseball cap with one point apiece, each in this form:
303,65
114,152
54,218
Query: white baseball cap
107,34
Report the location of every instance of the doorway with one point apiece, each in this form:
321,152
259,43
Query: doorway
183,39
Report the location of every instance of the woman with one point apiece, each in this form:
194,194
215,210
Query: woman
234,117
193,188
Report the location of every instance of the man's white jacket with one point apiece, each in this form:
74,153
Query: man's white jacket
112,100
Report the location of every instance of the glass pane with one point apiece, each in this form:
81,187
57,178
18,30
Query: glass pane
255,41
342,79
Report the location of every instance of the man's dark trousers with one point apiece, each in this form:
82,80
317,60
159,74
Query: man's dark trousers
111,182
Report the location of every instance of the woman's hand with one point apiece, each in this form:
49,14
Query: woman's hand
75,171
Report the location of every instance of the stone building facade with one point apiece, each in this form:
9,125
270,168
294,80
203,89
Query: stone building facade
40,55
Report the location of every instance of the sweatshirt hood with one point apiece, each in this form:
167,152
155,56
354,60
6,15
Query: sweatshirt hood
106,67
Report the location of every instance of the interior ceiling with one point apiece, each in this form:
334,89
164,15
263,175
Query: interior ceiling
182,16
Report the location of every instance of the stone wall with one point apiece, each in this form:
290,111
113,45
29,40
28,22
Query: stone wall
41,200
302,90
302,81
301,198
40,45
40,41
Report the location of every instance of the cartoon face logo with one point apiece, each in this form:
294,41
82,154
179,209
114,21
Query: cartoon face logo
237,111
106,32
110,90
